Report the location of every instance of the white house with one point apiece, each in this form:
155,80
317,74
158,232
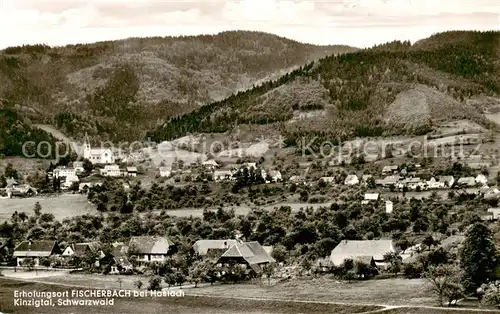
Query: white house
448,180
389,206
371,196
210,164
389,169
467,181
62,172
435,184
495,211
481,179
150,248
360,249
78,166
275,175
97,155
70,180
34,250
222,175
132,171
351,179
111,171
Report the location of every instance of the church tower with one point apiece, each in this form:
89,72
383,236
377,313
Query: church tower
87,151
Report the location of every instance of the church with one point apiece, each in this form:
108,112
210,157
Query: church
97,155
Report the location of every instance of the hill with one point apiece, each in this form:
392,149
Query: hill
391,89
119,89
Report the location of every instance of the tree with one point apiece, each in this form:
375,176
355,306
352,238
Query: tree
370,183
268,270
395,262
138,283
490,294
445,282
3,181
154,283
37,209
10,172
478,257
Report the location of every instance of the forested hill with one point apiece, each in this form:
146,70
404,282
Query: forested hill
393,88
119,89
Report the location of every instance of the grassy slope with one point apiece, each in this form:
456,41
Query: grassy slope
117,89
355,91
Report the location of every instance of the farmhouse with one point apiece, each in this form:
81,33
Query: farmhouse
204,247
351,179
435,184
81,249
365,178
448,180
35,250
84,187
68,182
150,248
354,249
251,254
370,197
389,180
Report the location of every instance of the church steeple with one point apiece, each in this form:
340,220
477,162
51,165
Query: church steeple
86,147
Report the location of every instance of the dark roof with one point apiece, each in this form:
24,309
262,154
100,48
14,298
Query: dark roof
151,244
37,248
252,252
202,246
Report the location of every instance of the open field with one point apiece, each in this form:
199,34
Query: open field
63,206
187,304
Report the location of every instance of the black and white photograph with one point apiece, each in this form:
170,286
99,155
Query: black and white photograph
250,156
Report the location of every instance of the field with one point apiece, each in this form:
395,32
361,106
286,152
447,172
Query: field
63,206
312,296
187,304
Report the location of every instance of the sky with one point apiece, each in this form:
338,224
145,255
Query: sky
359,23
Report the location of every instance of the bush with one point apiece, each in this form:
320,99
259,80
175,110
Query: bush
412,270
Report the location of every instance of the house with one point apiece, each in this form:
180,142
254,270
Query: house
275,175
203,247
371,196
495,211
119,262
78,166
351,179
222,175
68,182
467,181
84,187
63,172
390,169
111,171
388,181
210,164
389,206
80,249
488,216
151,248
481,179
435,184
352,249
328,180
448,180
165,172
97,155
20,190
491,193
251,254
412,183
35,250
132,171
